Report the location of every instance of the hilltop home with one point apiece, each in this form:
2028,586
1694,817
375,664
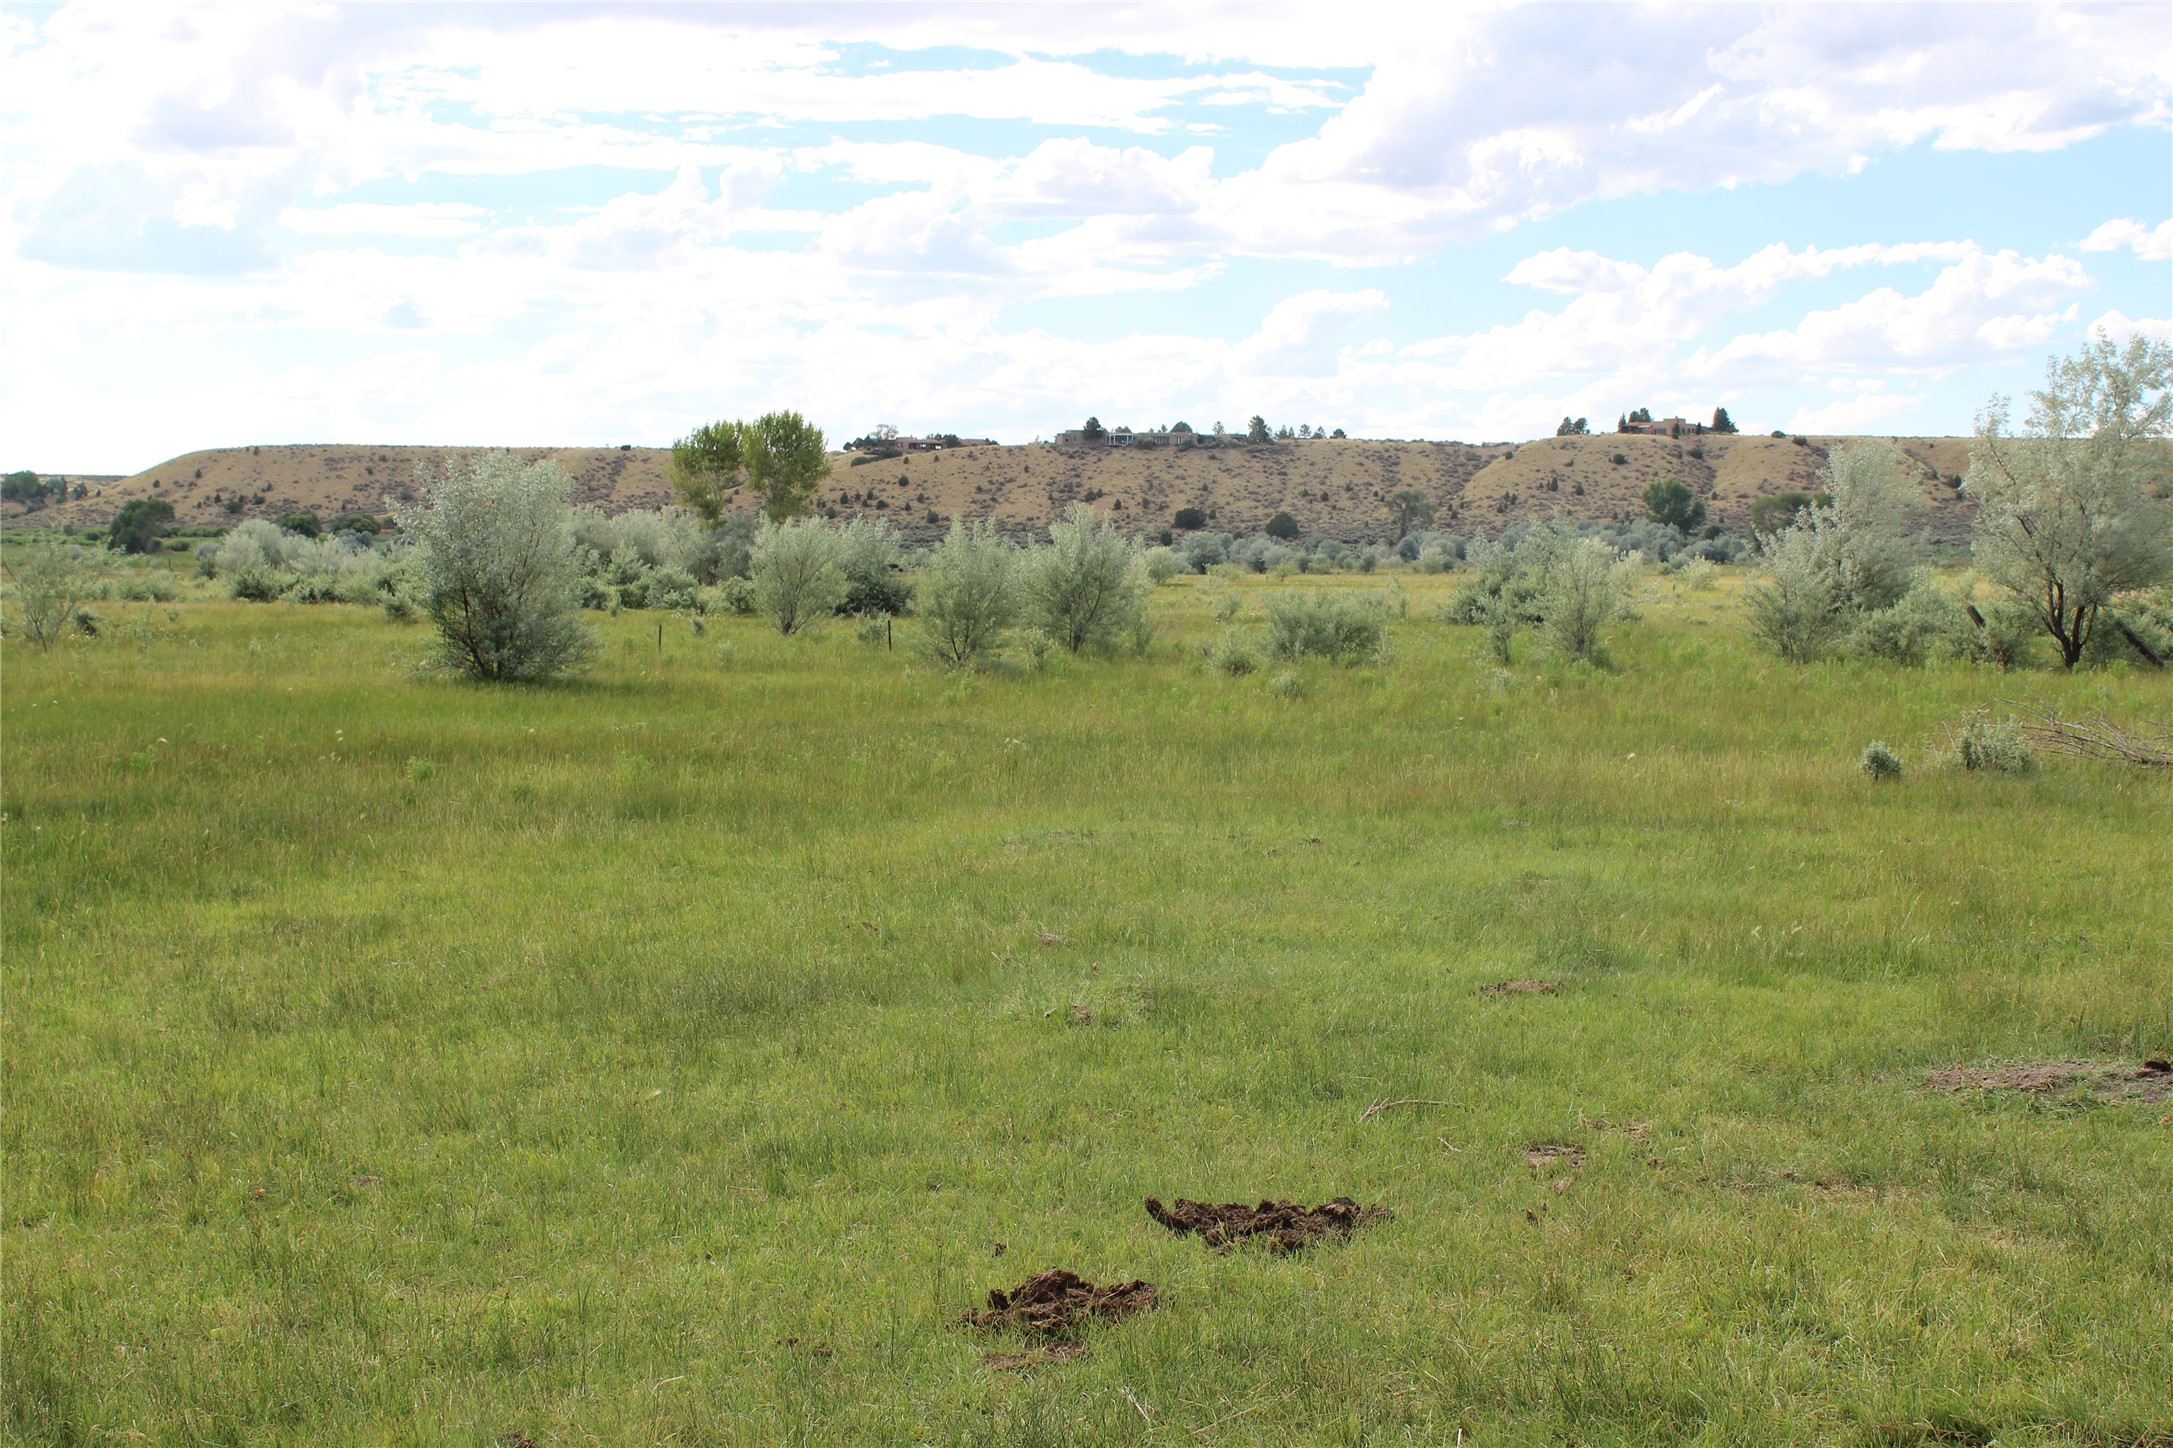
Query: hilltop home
938,443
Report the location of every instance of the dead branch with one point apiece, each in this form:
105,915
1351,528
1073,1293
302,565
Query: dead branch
2097,738
1386,1105
2140,644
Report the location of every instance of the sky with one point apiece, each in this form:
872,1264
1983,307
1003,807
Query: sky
593,225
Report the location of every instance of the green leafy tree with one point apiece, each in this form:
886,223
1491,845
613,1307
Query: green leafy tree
1189,519
1573,427
140,524
23,487
1086,588
786,462
1722,423
1413,507
1257,429
781,456
499,574
1282,526
2066,517
1671,502
1093,431
707,464
304,523
1772,514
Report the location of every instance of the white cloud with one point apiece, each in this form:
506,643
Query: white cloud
362,218
2149,243
1625,317
2118,325
199,205
1860,412
2003,300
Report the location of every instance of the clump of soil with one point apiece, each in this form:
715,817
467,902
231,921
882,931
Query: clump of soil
1285,1226
1520,987
1018,1362
1058,1301
1554,1154
2151,1081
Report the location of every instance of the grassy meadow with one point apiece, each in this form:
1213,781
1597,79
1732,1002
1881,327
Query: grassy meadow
672,1056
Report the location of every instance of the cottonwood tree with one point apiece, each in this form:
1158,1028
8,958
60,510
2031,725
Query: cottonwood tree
1086,587
2066,520
786,462
1669,501
707,464
494,547
969,594
798,568
1413,506
139,525
780,456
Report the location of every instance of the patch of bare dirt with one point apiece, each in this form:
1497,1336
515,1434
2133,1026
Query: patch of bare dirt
2150,1081
1554,1156
1520,987
1059,1301
1284,1226
1018,1362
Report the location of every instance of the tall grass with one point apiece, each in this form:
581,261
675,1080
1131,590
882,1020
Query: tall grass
666,1058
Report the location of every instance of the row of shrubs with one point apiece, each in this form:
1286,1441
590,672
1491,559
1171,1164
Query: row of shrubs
1425,551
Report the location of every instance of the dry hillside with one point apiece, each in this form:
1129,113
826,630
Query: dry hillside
1336,488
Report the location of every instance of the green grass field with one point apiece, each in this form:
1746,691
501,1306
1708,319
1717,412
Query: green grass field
673,1056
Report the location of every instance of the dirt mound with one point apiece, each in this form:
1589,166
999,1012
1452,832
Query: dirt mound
2151,1081
1285,1226
1059,1301
1520,987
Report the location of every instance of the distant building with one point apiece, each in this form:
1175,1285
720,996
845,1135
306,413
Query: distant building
1666,427
1125,437
939,441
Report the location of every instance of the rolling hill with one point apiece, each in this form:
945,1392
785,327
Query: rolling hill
1333,488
